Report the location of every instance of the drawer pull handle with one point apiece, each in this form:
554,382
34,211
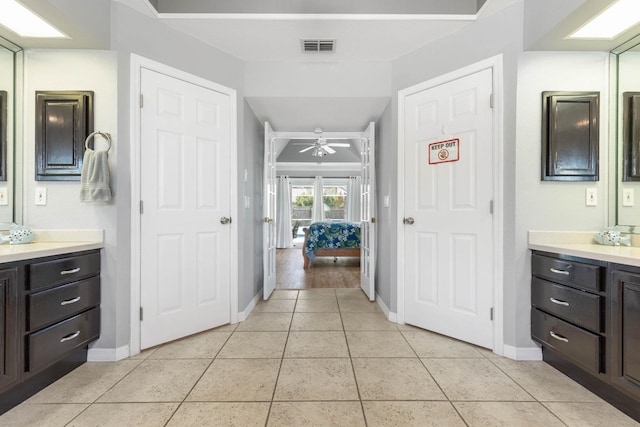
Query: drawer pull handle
72,271
70,301
70,336
558,337
564,272
559,302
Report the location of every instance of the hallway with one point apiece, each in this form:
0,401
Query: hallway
322,357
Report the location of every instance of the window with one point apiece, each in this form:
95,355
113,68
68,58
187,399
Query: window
301,205
335,202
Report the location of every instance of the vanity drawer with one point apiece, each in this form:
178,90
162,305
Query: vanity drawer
583,347
50,306
47,346
585,276
579,307
63,270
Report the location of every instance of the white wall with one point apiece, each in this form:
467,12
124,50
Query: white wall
76,70
6,84
553,205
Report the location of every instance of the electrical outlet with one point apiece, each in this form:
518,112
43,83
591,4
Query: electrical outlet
41,196
627,197
4,197
592,197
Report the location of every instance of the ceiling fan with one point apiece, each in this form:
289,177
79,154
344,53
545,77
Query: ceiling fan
320,147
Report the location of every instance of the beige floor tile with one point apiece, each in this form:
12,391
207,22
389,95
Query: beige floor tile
322,305
226,328
143,354
488,353
593,414
395,379
275,306
86,383
320,414
229,380
204,345
544,382
430,344
238,414
474,379
316,379
357,305
316,294
254,345
407,327
506,414
41,415
367,322
411,414
378,344
266,322
351,293
125,414
158,381
316,344
316,322
284,294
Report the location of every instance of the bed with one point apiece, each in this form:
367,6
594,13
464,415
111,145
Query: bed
332,239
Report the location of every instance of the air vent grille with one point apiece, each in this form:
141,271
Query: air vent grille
316,45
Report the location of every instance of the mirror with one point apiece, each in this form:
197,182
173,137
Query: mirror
10,128
628,135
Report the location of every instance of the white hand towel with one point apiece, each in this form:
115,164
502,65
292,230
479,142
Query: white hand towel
94,181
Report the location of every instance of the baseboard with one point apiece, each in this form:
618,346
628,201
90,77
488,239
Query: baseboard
522,353
391,316
242,316
108,354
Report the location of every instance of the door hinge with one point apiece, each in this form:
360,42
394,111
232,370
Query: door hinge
141,207
141,100
491,313
491,207
141,314
491,101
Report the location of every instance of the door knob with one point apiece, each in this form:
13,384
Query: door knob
267,219
408,221
225,220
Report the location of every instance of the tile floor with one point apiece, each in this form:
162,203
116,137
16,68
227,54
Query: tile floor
324,357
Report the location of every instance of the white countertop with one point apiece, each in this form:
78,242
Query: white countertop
579,243
53,242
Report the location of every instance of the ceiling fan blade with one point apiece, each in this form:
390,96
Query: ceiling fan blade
306,149
328,149
338,144
302,143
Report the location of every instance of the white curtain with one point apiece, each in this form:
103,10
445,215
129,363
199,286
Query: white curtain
284,236
353,199
318,204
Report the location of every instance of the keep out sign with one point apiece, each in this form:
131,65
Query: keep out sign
444,151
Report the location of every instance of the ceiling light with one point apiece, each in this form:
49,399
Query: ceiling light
612,22
24,22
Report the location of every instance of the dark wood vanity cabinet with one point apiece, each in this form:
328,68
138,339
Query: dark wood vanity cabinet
51,308
586,315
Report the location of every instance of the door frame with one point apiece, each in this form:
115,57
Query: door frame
137,63
494,63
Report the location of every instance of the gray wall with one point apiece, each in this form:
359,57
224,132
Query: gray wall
500,33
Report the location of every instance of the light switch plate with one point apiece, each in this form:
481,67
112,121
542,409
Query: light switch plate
4,196
627,197
41,196
592,197
247,202
387,202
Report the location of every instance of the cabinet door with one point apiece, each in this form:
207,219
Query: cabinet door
9,328
625,313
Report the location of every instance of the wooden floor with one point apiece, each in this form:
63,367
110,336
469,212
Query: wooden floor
323,272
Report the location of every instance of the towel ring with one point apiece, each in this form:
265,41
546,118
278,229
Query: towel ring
105,135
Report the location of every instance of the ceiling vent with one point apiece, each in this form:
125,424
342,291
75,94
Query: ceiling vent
315,45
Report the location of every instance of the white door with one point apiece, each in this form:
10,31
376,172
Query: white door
269,208
185,200
368,209
448,232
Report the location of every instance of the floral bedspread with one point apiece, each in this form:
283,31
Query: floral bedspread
332,235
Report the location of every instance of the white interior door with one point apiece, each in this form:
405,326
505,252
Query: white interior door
185,204
269,219
368,209
448,232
